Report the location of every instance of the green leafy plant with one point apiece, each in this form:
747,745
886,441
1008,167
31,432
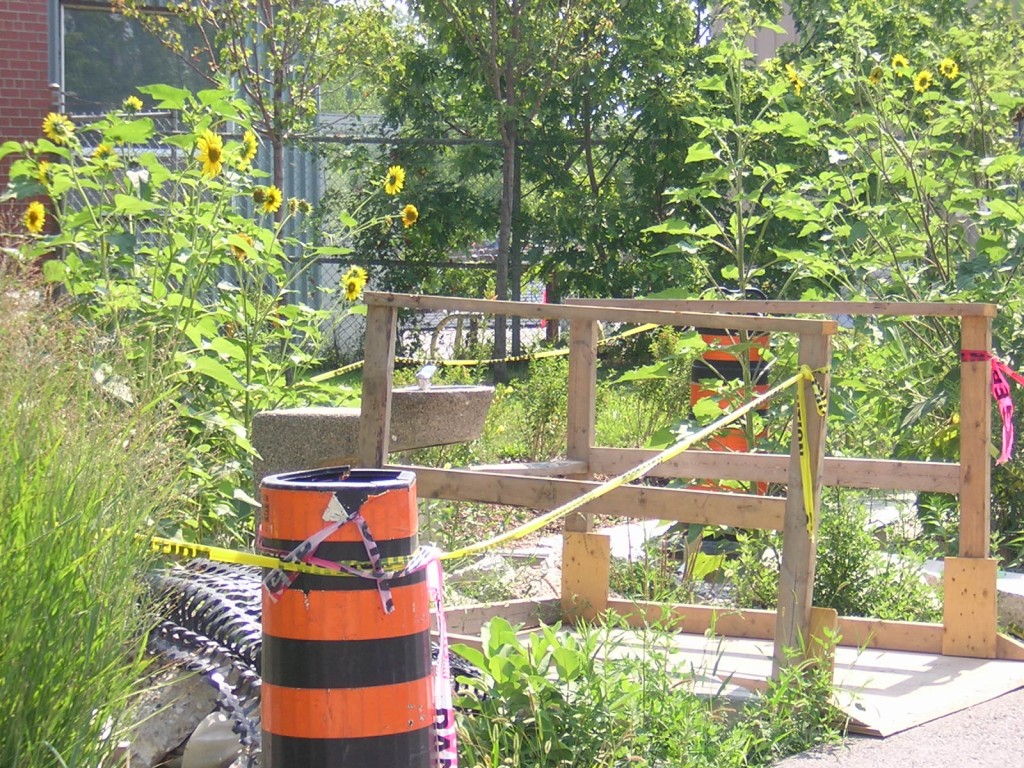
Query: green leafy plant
601,696
174,249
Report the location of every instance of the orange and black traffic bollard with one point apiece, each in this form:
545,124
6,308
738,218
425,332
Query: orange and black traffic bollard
345,683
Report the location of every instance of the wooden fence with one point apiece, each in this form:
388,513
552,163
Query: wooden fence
969,613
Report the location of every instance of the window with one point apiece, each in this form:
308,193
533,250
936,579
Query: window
106,57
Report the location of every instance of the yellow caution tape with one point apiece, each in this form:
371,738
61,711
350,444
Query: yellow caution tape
806,476
220,554
628,476
544,353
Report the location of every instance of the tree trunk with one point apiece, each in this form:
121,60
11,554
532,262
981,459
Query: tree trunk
515,265
509,136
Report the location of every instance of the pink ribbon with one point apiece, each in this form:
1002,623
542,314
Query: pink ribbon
1000,393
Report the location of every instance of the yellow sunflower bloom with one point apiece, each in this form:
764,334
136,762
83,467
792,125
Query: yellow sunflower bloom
272,199
35,217
899,62
132,104
922,81
410,215
353,289
58,128
395,180
43,175
794,79
356,273
876,75
949,68
211,153
102,151
248,153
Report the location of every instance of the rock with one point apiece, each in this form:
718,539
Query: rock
175,703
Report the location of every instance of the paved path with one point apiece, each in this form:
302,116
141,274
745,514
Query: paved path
989,734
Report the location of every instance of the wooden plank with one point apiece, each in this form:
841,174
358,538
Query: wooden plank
586,565
378,368
858,308
582,406
556,468
696,619
529,613
1009,648
975,436
607,313
799,535
858,632
969,607
941,477
631,501
913,636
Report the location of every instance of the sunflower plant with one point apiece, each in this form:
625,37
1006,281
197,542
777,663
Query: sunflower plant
174,247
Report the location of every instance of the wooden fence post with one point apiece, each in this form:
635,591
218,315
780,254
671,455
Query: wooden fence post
796,574
378,368
969,615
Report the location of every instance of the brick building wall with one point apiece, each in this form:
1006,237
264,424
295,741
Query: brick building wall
25,95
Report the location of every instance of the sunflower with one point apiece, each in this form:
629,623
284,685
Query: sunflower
211,153
43,174
357,273
410,215
899,62
949,68
102,151
248,153
922,81
876,75
272,199
238,251
794,79
35,217
395,180
354,282
58,128
132,104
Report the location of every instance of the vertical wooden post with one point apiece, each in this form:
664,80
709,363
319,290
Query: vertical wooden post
378,368
796,575
969,612
586,565
975,436
581,415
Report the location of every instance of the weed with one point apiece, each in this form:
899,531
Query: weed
601,696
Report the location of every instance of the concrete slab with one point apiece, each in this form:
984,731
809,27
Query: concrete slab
292,439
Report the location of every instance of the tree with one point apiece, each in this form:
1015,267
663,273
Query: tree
523,49
277,53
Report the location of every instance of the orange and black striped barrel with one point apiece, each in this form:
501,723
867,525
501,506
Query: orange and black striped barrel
722,361
344,683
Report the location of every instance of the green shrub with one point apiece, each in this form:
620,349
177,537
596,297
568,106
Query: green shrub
84,475
854,573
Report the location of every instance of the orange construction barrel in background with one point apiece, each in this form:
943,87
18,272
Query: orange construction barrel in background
721,361
345,684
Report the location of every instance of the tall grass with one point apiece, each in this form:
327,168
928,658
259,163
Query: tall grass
82,474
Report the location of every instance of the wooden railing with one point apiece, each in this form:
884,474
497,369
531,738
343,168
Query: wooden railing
969,625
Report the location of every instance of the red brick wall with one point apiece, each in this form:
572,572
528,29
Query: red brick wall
25,96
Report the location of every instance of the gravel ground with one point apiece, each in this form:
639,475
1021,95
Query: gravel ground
989,734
